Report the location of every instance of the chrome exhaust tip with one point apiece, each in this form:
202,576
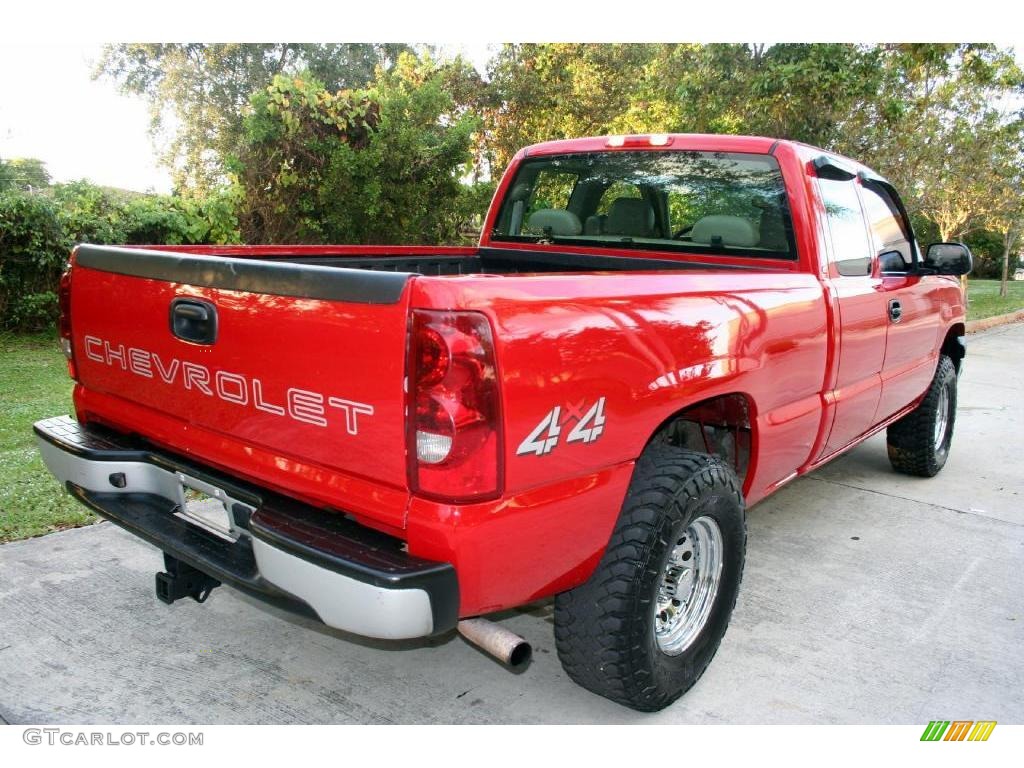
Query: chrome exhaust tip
506,646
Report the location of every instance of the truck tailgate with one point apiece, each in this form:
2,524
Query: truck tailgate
306,362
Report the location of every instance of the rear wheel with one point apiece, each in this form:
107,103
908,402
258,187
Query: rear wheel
919,442
644,627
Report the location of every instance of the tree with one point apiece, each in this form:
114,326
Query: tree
1012,229
24,173
1005,213
957,190
557,90
380,165
795,91
935,126
197,91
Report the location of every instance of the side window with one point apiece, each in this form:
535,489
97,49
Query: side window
888,230
851,249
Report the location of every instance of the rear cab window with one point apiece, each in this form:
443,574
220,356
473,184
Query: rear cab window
723,203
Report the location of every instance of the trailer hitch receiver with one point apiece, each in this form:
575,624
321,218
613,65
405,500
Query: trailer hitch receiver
182,580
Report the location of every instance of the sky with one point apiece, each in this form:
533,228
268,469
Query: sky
84,128
80,128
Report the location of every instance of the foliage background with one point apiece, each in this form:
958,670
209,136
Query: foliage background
39,229
387,143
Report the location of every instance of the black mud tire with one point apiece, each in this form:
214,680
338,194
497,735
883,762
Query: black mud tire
914,448
604,629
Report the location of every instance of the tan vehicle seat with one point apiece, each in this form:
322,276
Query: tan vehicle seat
725,230
557,220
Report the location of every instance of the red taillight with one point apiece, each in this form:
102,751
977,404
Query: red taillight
454,422
432,358
64,322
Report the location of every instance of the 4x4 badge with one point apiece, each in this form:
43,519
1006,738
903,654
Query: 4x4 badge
545,436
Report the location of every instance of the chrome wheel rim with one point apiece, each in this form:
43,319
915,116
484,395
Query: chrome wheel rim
942,418
688,586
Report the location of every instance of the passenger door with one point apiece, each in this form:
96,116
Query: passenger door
913,320
860,304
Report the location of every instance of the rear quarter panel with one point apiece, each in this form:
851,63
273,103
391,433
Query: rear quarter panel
649,344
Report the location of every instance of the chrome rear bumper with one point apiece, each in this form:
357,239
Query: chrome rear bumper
290,554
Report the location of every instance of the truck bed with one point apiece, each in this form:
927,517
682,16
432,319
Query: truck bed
302,386
443,260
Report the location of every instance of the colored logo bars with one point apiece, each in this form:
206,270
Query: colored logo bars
958,730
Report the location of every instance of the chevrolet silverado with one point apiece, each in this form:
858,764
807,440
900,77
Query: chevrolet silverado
654,333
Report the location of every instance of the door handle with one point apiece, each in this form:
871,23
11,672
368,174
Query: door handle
895,310
194,320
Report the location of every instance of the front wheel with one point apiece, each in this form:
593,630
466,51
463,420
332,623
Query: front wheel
919,442
647,623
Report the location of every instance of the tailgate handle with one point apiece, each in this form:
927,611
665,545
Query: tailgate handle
194,320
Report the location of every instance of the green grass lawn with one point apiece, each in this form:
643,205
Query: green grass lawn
984,299
34,384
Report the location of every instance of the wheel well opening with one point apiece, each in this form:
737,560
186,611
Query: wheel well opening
953,344
719,426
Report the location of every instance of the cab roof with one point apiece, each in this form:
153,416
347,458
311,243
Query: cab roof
707,142
699,142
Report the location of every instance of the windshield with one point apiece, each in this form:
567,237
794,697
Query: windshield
716,202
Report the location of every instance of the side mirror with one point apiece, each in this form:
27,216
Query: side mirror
893,261
948,259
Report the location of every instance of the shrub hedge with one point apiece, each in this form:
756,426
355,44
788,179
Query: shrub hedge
38,231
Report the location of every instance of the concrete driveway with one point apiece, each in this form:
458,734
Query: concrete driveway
868,598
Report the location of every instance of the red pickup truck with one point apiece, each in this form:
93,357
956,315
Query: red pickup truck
654,333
